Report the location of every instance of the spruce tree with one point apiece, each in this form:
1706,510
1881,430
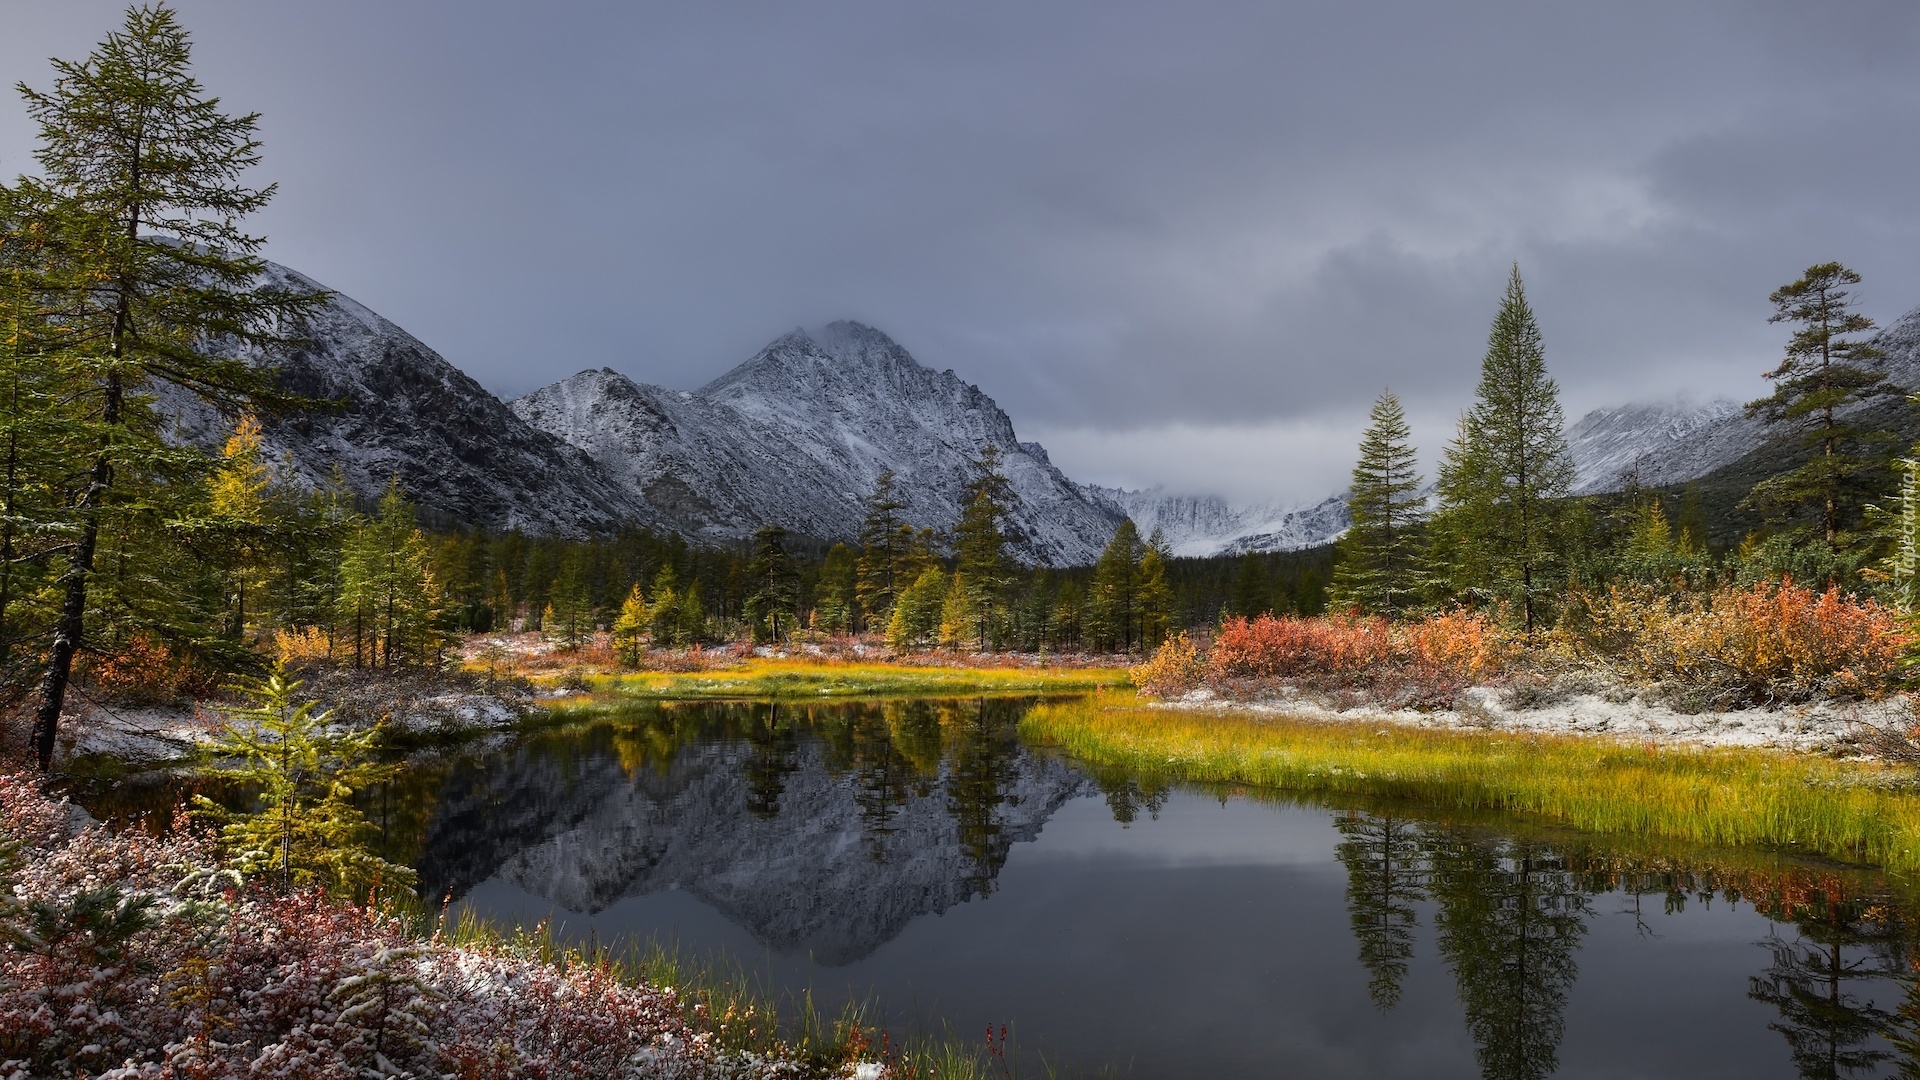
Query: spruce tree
1154,596
142,188
1820,377
834,604
884,539
666,607
980,541
1113,597
775,585
1507,474
1379,568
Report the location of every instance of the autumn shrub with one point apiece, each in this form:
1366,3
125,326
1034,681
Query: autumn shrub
143,668
1765,643
1422,663
129,955
1175,668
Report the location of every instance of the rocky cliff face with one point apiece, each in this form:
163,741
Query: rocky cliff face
797,435
390,407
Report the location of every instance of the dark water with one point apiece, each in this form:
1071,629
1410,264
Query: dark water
915,853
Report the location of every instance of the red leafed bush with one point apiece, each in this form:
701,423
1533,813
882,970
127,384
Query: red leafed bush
1420,664
132,956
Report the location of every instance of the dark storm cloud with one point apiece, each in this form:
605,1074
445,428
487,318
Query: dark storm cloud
1179,242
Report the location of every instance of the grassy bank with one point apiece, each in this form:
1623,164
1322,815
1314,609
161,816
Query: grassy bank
817,679
1843,810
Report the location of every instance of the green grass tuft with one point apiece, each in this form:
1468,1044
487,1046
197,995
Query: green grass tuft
1854,811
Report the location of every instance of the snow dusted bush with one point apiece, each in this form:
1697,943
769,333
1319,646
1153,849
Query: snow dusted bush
1421,663
128,955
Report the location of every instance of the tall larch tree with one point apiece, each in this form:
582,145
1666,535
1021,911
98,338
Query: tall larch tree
1822,374
1380,568
142,182
1501,527
774,584
1113,598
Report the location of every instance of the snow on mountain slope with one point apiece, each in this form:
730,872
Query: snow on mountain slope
796,436
1662,443
1202,525
392,407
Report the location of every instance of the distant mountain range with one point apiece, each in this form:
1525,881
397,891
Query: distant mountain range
797,435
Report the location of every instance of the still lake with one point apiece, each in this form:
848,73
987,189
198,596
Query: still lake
917,855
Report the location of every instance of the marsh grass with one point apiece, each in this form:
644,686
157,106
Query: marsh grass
794,679
1851,811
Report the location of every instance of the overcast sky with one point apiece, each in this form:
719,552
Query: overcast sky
1182,243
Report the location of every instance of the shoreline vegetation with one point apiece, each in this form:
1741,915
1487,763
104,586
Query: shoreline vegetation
1851,811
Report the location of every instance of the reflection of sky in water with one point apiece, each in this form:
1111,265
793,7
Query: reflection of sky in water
1216,941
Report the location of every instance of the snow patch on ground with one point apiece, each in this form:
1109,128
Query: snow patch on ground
1826,727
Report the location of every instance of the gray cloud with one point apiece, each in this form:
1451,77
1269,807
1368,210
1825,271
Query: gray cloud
1209,230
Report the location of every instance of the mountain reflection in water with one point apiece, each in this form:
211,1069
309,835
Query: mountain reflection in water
896,849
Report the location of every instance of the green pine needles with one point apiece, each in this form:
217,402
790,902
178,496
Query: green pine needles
1381,569
1821,375
1501,533
306,832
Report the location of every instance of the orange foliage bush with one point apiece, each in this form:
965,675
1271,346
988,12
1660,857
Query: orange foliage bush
1421,663
1770,642
142,668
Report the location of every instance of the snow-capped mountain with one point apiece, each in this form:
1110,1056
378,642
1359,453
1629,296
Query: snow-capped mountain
1658,444
1201,525
393,408
797,435
1672,443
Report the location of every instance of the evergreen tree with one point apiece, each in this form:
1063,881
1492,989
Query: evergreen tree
389,599
980,541
884,543
307,829
1248,595
568,617
1824,985
142,191
917,613
630,627
835,606
776,585
1821,375
1379,570
692,626
1507,474
666,607
1154,597
1113,597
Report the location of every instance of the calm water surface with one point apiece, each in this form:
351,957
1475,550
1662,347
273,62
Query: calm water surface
917,854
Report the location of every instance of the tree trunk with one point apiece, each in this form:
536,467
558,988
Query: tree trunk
73,605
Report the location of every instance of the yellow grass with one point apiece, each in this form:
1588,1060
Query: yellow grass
1846,810
765,678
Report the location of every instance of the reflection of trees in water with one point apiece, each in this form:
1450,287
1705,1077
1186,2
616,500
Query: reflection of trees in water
1510,920
1839,946
773,744
893,751
1127,795
1386,875
984,746
1512,914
